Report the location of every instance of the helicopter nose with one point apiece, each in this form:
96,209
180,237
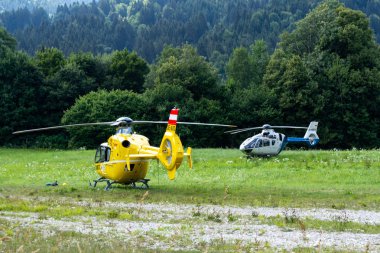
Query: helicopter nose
245,145
245,149
242,147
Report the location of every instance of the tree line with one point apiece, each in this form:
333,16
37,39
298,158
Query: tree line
326,69
213,27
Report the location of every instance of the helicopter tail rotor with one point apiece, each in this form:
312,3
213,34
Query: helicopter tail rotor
189,157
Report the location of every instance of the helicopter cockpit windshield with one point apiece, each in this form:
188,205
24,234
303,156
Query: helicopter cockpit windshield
102,153
257,143
124,130
252,143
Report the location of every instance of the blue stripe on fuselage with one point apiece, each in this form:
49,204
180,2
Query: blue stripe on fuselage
305,140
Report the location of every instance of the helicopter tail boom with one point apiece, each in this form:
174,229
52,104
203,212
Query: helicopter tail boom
310,138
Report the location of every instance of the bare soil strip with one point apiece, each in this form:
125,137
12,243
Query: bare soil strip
359,216
193,225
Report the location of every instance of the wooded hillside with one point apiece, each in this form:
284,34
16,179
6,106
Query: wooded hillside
327,68
215,28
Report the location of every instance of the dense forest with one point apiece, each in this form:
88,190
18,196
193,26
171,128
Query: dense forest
325,68
213,27
49,5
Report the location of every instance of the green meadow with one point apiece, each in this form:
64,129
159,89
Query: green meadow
314,178
308,179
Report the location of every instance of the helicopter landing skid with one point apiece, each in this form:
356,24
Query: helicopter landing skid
110,183
102,179
143,181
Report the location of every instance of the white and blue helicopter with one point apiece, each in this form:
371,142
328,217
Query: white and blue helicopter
270,143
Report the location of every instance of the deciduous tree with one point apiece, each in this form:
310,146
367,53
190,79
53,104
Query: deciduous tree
326,70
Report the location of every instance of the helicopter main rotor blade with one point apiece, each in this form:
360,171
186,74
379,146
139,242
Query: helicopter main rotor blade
149,122
110,122
204,124
242,130
183,123
292,127
236,131
63,126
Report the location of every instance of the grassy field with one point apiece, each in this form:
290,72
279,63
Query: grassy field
295,179
332,179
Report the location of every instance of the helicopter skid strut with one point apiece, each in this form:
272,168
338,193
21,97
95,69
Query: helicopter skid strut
102,179
110,183
143,181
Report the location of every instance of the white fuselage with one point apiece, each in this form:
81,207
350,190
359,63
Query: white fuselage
267,143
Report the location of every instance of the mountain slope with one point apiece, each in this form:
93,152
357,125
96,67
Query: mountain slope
49,5
214,27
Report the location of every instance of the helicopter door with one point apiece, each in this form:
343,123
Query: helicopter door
259,143
258,149
102,154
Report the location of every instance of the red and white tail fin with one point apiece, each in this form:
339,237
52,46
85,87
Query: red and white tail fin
173,117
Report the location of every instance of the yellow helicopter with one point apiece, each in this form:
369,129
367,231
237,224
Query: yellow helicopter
124,159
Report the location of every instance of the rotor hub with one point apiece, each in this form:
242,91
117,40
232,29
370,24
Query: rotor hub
123,121
267,126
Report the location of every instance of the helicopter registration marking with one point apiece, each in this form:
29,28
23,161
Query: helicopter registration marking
171,128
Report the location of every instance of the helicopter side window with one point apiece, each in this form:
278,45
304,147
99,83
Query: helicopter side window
273,142
259,143
102,154
266,143
280,135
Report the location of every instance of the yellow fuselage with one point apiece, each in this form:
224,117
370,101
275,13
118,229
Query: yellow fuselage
121,146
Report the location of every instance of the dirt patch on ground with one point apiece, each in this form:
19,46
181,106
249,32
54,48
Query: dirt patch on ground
192,225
